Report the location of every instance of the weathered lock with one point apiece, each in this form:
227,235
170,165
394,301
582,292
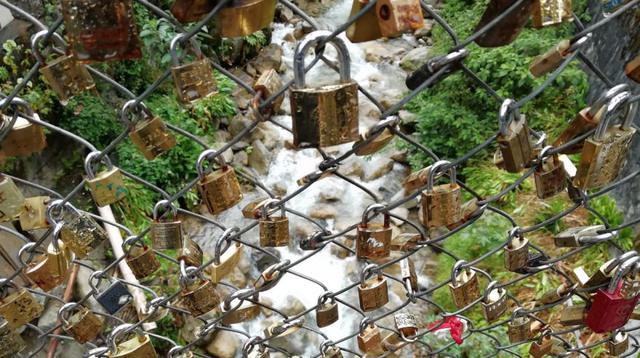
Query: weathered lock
34,213
610,6
148,133
114,298
327,310
51,268
407,326
274,230
80,322
632,69
373,240
312,242
270,276
516,253
507,29
253,210
268,84
329,350
249,349
326,115
618,343
366,27
441,204
166,234
550,176
191,10
376,138
513,139
604,272
406,242
11,342
281,329
609,309
604,154
573,315
198,294
24,138
226,256
108,186
582,235
369,339
244,311
541,346
220,189
464,285
396,17
80,232
11,199
190,253
551,12
141,259
138,346
630,284
373,292
550,60
519,328
18,307
554,295
101,30
409,276
244,17
494,303
193,80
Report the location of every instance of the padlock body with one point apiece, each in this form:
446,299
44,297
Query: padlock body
466,289
244,17
540,349
200,298
101,30
406,324
609,311
516,254
142,261
194,80
152,137
550,60
274,231
582,123
551,12
327,314
617,348
11,200
572,315
228,261
374,294
190,252
632,69
495,305
373,146
24,138
81,234
550,179
166,235
369,339
508,28
11,343
136,347
373,241
114,298
602,161
33,216
107,187
325,116
84,325
441,206
220,190
396,17
515,146
269,83
68,78
191,10
20,308
367,27
519,329
247,311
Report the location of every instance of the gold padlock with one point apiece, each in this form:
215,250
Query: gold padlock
266,86
219,188
618,343
494,303
513,139
190,253
34,213
373,241
108,186
11,199
507,29
397,17
51,268
80,322
138,346
11,343
550,176
226,256
149,134
244,17
191,10
141,259
327,310
329,350
198,294
326,115
193,80
80,232
274,230
244,311
406,242
441,204
19,307
551,12
372,293
166,234
369,339
24,138
101,30
519,328
464,285
376,138
573,315
366,27
516,253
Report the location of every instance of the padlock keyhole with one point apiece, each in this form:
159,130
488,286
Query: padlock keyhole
384,12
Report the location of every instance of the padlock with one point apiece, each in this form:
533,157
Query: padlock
312,242
274,230
443,65
114,298
80,232
253,210
541,346
226,256
604,154
392,343
244,311
281,329
267,85
198,294
149,133
550,60
632,69
494,303
19,307
609,309
407,326
519,327
373,292
329,350
190,253
396,17
373,240
554,295
573,315
327,310
618,343
550,176
630,283
369,339
416,180
270,276
507,29
249,349
11,199
50,270
376,138
405,242
34,213
191,10
108,186
551,12
582,235
195,79
139,346
11,343
441,204
513,139
166,234
409,276
141,259
101,30
244,17
80,322
603,274
471,211
219,188
24,138
464,285
516,253
610,6
326,115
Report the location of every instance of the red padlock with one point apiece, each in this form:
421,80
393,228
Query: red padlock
610,309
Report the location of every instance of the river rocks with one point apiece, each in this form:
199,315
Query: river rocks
270,57
262,260
415,58
238,124
260,157
293,306
224,344
332,191
377,167
323,212
241,158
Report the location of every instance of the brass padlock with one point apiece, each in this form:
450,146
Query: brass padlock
11,342
11,199
51,268
191,10
266,86
573,315
494,303
193,80
519,328
80,322
18,307
550,60
513,139
516,253
366,27
253,210
244,17
80,232
369,339
198,294
604,273
244,311
108,186
582,235
397,17
541,346
550,176
327,310
507,29
329,350
114,298
632,69
618,343
34,213
219,188
373,292
326,115
441,204
551,12
24,138
226,256
464,285
141,259
376,138
166,234
101,30
373,240
190,253
554,295
138,346
274,230
149,134
407,325
604,154
409,276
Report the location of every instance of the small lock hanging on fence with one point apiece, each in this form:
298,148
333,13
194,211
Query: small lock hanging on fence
373,293
149,133
11,343
551,12
373,241
24,138
274,230
396,17
249,349
366,28
101,30
407,325
555,56
369,338
603,274
227,255
114,297
573,315
329,350
138,346
326,115
244,17
513,140
190,252
376,138
141,259
193,80
80,232
107,187
220,189
198,295
464,285
409,276
618,343
267,85
550,177
516,253
441,204
244,311
632,69
18,307
191,10
51,268
507,29
494,303
34,213
541,346
563,291
166,234
80,322
519,328
327,311
11,199
582,235
65,75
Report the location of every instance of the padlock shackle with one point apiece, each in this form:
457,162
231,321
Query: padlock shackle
128,107
366,322
606,114
324,347
268,204
65,311
388,123
241,295
434,171
55,235
324,297
206,155
490,288
519,312
623,270
173,48
312,40
606,97
372,208
369,271
35,44
19,103
436,63
161,205
55,204
457,267
129,242
188,274
88,163
543,154
175,351
225,239
26,248
593,239
617,260
507,113
249,345
117,332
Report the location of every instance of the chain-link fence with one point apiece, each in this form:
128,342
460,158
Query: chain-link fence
196,295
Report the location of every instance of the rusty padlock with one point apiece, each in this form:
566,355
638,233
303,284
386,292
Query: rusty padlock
369,339
245,310
244,17
274,230
141,259
198,294
516,253
441,204
191,10
80,232
376,138
18,307
550,176
513,139
193,80
507,29
80,322
373,293
464,285
327,310
166,234
373,240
